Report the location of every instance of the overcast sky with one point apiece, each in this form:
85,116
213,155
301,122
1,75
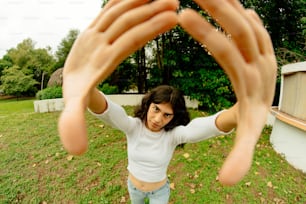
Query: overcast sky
46,22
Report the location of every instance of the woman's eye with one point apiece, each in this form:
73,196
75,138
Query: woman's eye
155,108
168,115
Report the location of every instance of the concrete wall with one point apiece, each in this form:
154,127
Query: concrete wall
288,135
293,90
49,105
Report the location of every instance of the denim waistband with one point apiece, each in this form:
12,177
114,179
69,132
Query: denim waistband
166,185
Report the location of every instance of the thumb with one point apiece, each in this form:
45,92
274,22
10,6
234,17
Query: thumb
72,128
239,160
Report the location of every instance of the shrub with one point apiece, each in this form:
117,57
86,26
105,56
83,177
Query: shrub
49,93
108,89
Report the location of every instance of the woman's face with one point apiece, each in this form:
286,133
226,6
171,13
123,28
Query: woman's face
158,116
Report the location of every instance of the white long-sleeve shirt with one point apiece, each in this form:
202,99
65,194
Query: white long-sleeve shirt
149,153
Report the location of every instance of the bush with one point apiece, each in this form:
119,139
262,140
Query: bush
108,89
49,93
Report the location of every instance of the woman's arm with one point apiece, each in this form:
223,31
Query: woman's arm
109,112
97,102
227,120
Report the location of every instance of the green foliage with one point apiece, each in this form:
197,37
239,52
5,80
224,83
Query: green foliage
64,48
35,63
284,19
15,82
5,62
188,67
211,88
108,89
124,77
50,93
174,57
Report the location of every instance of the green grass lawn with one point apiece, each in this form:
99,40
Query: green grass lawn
34,168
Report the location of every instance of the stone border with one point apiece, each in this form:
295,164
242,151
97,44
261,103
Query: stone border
49,105
52,105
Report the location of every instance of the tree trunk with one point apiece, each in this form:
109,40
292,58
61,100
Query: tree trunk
142,70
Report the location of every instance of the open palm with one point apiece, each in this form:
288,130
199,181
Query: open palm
246,54
121,28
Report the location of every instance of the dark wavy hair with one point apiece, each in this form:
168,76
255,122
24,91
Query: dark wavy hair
165,94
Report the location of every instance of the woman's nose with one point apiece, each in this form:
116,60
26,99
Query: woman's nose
158,118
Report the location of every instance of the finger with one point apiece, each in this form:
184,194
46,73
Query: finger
117,9
110,4
138,15
232,20
223,50
263,38
72,128
239,160
138,36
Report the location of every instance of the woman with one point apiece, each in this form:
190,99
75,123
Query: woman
161,123
121,28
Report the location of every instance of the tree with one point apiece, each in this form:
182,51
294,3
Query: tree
20,55
180,61
124,77
35,62
175,58
5,62
15,82
285,21
64,48
142,70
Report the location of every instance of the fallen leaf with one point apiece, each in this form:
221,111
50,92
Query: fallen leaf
248,184
172,186
70,157
278,201
186,155
123,199
192,191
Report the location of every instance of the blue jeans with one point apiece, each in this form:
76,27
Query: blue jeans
159,196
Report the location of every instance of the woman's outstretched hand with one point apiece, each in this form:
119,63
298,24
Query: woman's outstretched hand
121,28
246,54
